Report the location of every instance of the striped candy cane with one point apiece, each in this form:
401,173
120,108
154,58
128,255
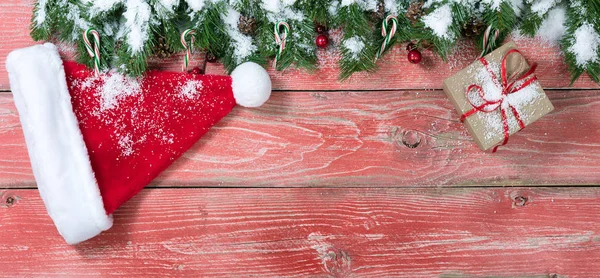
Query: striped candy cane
93,51
387,35
487,46
280,39
188,47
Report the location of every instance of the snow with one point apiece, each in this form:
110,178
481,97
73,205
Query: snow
170,5
40,15
165,8
355,46
74,16
346,3
98,7
439,21
272,5
116,87
517,5
195,5
553,27
391,6
367,5
137,17
126,145
281,10
242,44
541,7
333,8
579,7
191,89
585,45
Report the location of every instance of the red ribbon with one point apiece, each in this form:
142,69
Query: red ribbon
508,87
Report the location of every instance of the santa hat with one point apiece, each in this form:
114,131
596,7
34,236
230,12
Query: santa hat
96,140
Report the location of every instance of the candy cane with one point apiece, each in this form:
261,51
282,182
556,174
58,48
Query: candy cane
188,47
280,39
486,37
387,35
94,51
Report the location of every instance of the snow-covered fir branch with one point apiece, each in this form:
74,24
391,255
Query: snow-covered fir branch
134,30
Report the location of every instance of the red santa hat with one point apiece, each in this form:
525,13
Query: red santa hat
96,140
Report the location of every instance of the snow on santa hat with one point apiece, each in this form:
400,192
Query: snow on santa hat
96,141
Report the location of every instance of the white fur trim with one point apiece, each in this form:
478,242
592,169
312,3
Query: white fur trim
251,85
59,158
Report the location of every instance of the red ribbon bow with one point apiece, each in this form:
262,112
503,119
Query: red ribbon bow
508,87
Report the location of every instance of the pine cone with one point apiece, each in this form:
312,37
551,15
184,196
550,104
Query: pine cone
415,11
473,28
379,14
247,25
162,49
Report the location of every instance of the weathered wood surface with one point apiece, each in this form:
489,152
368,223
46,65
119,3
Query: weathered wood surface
378,145
395,72
364,139
318,233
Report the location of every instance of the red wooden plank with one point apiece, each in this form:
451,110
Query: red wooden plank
364,139
318,233
395,73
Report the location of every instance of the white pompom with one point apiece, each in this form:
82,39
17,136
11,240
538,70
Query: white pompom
251,85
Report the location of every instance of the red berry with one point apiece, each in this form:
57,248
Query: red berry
320,29
410,46
322,41
414,56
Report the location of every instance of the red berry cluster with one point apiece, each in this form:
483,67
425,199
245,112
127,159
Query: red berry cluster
322,40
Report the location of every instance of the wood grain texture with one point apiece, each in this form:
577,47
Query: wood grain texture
381,138
395,71
317,233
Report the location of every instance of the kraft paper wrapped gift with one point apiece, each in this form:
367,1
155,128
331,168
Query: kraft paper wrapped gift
481,97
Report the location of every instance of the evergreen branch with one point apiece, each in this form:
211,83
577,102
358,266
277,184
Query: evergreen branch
358,45
217,28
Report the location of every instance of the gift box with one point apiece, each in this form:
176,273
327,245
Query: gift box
497,96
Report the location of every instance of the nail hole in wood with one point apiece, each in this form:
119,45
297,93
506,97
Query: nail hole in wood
10,201
411,139
520,201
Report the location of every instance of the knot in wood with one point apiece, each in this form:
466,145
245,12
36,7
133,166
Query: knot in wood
411,139
520,201
8,201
